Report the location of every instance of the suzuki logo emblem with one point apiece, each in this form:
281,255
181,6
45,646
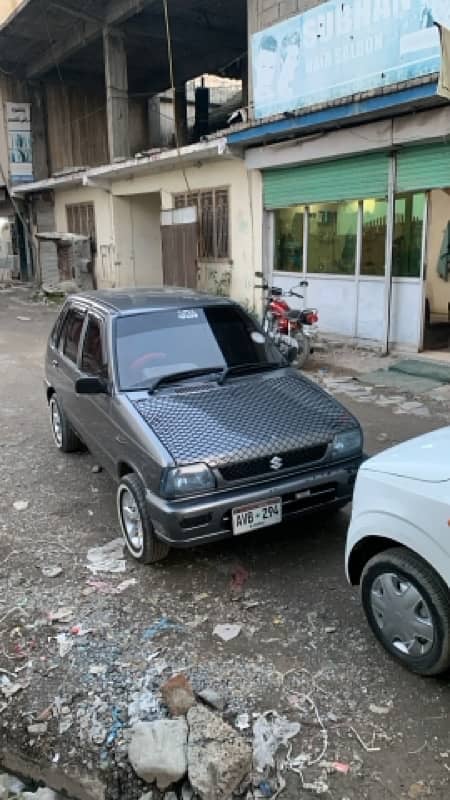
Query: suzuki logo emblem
276,463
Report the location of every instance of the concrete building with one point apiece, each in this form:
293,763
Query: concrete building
338,173
174,218
101,117
350,133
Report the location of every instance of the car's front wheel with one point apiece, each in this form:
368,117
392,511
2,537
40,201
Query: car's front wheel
64,436
135,523
407,607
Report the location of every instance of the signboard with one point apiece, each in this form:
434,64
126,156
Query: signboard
18,121
338,49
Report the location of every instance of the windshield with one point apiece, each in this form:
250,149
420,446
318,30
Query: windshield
161,343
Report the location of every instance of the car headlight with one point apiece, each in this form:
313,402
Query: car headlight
346,444
181,481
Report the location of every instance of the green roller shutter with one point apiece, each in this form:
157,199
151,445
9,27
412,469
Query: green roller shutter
426,167
343,179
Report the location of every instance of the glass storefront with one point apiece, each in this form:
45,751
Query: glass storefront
373,251
332,238
407,248
289,239
331,246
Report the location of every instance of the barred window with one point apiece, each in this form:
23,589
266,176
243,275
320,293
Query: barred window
81,220
213,220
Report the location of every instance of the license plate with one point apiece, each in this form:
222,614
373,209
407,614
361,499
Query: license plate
258,515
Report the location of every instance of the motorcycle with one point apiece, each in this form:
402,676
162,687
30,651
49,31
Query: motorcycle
290,329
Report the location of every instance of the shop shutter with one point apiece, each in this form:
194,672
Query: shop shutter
343,179
426,167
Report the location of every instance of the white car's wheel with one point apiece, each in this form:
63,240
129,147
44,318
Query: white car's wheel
407,607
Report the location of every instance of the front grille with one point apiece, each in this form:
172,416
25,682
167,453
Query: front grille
261,466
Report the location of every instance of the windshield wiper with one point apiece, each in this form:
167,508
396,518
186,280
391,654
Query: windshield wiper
174,377
250,367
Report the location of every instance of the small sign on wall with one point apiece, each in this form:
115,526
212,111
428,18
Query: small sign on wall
18,121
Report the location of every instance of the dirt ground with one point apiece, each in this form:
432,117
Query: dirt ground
304,649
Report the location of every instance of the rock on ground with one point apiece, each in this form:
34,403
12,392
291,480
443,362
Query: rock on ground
157,751
212,698
178,695
219,760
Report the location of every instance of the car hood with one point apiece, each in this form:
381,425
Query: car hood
245,419
426,458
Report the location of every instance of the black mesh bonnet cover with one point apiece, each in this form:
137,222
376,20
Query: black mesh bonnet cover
244,419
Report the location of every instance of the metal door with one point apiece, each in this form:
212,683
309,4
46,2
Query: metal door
179,235
95,418
68,362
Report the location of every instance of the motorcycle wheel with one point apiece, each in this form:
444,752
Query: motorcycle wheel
304,350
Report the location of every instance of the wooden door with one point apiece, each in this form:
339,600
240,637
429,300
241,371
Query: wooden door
179,235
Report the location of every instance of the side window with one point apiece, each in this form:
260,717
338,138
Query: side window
93,359
71,333
57,327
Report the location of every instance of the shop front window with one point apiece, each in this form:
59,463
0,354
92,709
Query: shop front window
288,255
332,238
373,251
408,229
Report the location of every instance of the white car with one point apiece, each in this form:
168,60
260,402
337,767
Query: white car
398,550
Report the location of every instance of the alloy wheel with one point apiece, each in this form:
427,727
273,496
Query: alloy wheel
56,422
131,521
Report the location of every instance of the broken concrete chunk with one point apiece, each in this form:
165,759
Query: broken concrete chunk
157,751
178,695
219,760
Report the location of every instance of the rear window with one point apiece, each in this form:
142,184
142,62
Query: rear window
164,342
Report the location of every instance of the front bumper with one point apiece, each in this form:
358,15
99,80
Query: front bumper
182,523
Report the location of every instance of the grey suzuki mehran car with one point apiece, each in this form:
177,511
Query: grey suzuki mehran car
206,428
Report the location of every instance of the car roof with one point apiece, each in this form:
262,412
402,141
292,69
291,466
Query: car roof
132,301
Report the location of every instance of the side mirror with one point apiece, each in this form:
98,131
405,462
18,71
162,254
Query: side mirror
91,385
304,283
259,275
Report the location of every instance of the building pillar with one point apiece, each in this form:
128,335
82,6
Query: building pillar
41,169
180,109
201,112
245,83
390,224
252,25
116,80
154,122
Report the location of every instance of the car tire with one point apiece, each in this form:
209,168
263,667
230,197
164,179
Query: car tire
135,523
407,606
64,435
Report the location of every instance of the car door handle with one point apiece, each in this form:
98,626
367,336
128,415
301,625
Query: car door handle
55,363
